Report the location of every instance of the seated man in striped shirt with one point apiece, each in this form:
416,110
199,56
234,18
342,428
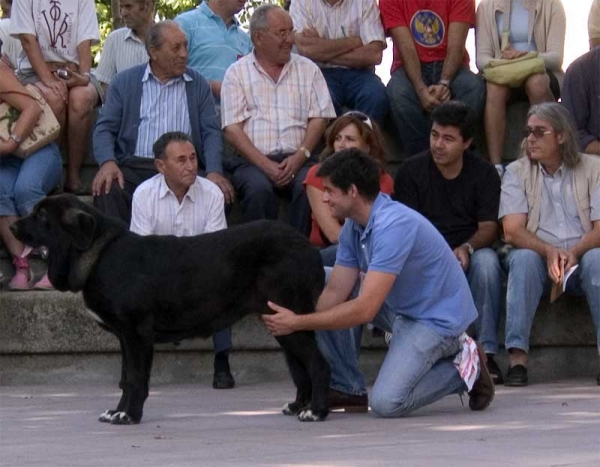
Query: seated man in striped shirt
125,47
274,108
143,103
178,202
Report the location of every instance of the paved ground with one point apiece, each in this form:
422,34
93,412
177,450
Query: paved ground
193,425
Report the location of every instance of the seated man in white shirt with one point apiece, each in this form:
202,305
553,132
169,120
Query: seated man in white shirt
178,202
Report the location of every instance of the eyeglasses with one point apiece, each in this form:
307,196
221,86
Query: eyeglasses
359,116
282,35
536,132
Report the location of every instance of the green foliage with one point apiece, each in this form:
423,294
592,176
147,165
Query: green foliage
165,9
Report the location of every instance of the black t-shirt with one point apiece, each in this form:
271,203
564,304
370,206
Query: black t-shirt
455,206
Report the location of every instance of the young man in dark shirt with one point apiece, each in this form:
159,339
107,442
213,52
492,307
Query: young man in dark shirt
459,193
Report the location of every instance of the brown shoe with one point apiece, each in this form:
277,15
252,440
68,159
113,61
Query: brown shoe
482,394
348,402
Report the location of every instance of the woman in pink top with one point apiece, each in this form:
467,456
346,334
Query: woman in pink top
351,130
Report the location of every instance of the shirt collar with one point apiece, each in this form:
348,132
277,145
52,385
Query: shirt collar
164,190
148,71
558,174
262,70
132,36
364,231
205,8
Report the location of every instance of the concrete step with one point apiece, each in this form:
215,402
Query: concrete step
47,338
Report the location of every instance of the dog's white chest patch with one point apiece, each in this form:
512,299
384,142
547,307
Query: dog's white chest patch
93,315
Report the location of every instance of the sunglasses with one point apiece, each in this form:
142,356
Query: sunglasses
536,132
359,116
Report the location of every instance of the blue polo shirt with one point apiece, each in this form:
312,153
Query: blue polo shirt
212,47
430,285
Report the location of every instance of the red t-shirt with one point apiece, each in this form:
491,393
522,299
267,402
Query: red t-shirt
317,237
428,22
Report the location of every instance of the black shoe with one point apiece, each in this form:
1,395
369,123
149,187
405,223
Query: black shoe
348,402
516,376
494,370
482,393
223,380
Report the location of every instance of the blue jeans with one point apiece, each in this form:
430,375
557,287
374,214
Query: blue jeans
485,280
527,279
411,120
357,89
23,182
417,370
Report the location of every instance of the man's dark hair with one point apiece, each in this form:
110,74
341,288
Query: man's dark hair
457,114
352,167
160,145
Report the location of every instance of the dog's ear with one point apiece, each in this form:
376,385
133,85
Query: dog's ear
82,227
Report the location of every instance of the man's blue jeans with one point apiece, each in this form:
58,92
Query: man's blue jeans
527,279
418,368
411,120
357,89
485,280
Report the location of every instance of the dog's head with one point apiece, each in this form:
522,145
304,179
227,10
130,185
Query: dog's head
68,228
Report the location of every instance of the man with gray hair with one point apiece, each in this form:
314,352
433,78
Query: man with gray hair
143,103
274,107
550,213
125,47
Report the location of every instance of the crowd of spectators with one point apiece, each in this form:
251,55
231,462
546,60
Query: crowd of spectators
246,116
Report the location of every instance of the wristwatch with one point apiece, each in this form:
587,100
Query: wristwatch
470,248
305,151
15,138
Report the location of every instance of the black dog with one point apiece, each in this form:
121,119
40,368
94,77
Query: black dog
164,289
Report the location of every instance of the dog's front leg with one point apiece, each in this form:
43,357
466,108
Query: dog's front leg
108,414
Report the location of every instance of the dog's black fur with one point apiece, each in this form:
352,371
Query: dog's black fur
164,289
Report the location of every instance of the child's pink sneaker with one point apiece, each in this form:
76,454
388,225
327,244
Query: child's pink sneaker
22,278
44,283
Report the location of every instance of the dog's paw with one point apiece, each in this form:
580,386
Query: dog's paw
309,416
106,416
121,418
293,408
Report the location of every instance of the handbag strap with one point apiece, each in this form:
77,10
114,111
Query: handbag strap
506,27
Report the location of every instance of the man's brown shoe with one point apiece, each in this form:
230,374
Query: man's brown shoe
348,402
482,394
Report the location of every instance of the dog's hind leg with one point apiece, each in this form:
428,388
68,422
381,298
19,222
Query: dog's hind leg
309,368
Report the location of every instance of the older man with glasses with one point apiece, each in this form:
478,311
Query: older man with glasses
550,212
274,108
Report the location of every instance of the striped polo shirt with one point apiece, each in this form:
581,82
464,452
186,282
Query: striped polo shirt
122,50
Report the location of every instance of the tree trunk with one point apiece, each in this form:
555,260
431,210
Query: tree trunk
117,21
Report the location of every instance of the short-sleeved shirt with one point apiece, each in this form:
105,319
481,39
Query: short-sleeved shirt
559,223
59,26
212,46
317,237
428,22
346,18
594,20
10,46
454,206
155,209
275,114
430,286
122,50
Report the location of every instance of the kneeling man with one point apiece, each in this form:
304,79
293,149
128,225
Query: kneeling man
410,284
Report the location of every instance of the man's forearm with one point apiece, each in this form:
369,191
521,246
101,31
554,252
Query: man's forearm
244,147
362,57
84,53
589,240
522,238
325,50
404,42
485,236
455,54
314,131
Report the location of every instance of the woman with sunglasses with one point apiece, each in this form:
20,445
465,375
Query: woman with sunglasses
351,130
23,182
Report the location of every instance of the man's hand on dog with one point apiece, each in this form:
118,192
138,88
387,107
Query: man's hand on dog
282,322
104,178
